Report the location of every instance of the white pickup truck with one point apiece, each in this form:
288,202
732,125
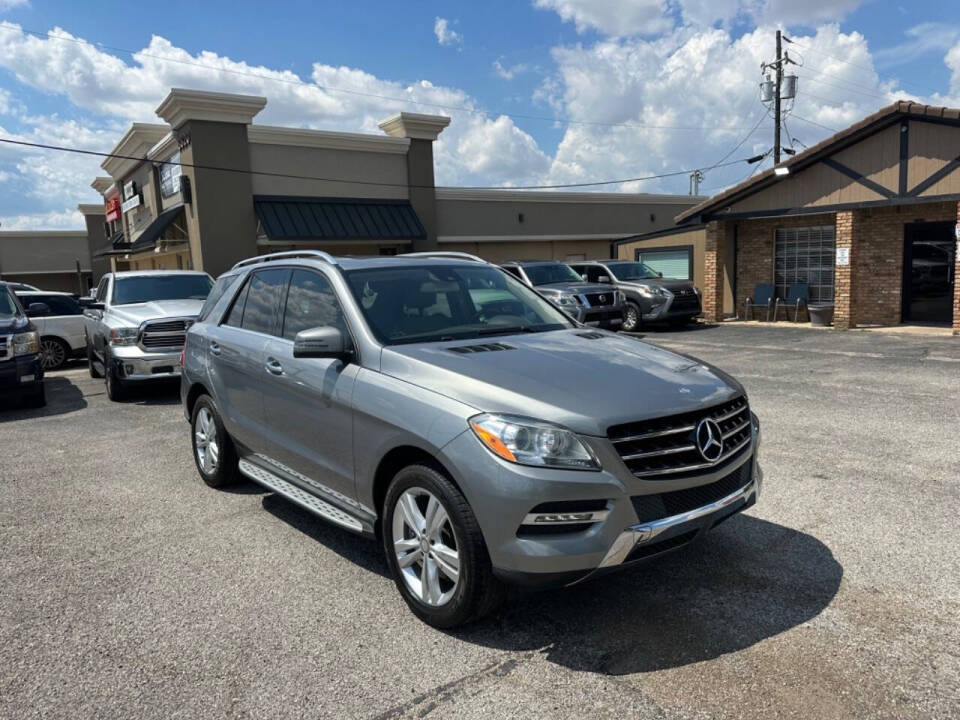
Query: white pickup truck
136,325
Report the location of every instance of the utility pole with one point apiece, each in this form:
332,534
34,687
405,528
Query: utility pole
776,104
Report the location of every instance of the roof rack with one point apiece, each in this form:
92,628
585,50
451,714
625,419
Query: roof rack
448,254
318,254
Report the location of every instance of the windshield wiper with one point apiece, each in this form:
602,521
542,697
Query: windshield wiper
506,331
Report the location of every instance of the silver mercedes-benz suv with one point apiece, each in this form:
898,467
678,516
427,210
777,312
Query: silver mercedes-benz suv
448,409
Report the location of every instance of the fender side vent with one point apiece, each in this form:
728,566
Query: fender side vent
486,347
591,335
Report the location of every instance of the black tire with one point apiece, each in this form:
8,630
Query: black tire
226,472
36,399
478,592
91,363
116,387
632,317
55,353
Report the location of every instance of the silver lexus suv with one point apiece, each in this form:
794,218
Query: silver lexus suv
448,409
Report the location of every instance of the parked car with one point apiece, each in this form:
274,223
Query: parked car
60,325
136,326
648,296
17,286
443,406
21,365
589,303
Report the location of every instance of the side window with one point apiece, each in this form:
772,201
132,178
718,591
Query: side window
235,315
579,269
26,301
62,305
264,301
219,288
515,271
595,272
311,303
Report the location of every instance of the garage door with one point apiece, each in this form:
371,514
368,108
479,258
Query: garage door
672,263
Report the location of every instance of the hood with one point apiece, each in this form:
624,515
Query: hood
666,283
10,324
564,377
577,288
136,313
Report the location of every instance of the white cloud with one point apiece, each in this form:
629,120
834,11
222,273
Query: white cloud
922,39
613,17
511,71
445,34
4,102
10,4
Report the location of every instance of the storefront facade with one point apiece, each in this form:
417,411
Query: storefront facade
868,220
209,187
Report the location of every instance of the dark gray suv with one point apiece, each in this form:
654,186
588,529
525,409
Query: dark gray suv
446,408
648,296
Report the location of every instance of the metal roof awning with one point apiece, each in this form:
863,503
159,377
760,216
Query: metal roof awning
324,219
115,246
148,238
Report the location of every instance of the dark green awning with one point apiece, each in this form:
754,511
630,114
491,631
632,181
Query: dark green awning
307,218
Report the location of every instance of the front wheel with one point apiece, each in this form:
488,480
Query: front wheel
55,353
435,550
116,387
632,320
91,363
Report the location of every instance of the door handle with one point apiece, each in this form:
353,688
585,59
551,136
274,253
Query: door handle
274,366
214,348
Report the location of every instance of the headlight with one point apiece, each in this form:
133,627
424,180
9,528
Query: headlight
124,335
567,300
532,442
27,343
653,291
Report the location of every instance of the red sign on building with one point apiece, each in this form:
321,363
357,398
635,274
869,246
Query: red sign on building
112,207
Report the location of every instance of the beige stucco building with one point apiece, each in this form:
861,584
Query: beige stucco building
208,187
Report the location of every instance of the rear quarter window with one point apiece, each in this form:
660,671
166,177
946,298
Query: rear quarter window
220,287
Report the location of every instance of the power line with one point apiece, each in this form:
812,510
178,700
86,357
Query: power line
43,146
327,88
811,122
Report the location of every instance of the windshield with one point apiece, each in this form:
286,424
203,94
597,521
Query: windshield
431,304
145,288
552,273
8,306
633,271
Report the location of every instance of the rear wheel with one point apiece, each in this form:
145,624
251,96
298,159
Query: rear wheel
213,451
55,353
435,549
631,317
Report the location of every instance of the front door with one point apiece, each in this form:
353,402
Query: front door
307,401
929,272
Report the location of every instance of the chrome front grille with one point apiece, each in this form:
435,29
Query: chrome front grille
6,347
594,299
667,447
164,333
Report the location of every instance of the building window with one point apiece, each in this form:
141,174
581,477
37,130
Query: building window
672,262
805,255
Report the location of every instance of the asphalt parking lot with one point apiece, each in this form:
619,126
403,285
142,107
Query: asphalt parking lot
130,589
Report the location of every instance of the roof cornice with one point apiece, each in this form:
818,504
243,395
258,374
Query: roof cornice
164,149
509,195
101,184
90,209
414,125
133,146
271,135
182,105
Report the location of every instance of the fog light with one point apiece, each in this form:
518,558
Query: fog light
565,518
128,369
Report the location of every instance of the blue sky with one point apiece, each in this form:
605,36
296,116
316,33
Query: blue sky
653,85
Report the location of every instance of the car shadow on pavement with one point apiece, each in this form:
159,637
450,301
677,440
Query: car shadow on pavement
364,552
747,581
62,397
154,392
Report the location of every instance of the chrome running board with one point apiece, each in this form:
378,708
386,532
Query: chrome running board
304,499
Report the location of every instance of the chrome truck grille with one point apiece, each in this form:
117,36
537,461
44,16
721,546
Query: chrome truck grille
166,334
668,448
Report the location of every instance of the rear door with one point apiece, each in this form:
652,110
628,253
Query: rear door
307,401
65,320
236,352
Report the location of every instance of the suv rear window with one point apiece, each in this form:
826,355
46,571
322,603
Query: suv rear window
264,300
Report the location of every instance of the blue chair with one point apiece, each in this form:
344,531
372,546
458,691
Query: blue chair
763,297
797,295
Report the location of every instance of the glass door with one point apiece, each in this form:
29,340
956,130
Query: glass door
929,269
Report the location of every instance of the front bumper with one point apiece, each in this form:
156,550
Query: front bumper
605,316
672,307
21,375
134,364
503,494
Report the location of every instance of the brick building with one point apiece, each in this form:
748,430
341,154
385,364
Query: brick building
869,219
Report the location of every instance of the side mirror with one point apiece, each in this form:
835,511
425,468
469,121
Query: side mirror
603,278
321,342
583,276
38,308
93,305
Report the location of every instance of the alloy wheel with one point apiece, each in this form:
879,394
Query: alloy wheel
426,547
53,354
631,318
205,441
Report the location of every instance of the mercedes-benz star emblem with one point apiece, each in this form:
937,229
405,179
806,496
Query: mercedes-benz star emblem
709,440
